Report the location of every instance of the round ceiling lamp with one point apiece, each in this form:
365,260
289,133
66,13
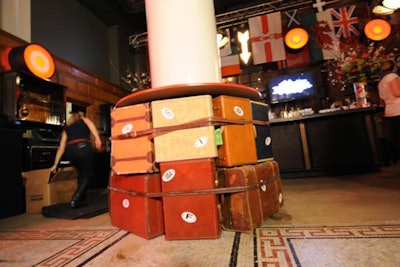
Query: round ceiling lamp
377,29
33,58
296,38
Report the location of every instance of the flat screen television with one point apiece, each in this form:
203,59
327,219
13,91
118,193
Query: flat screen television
294,86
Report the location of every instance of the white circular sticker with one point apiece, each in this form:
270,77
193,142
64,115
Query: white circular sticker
167,113
280,197
201,141
125,203
264,187
188,217
268,141
168,175
127,128
238,110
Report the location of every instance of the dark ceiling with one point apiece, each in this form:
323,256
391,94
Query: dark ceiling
130,15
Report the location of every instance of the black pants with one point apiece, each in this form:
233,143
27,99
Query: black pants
393,135
82,157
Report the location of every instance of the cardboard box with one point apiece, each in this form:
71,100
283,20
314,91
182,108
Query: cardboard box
42,189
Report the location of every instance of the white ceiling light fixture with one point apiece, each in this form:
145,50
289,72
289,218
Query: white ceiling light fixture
391,4
381,10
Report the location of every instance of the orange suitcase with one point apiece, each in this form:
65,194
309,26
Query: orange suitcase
183,144
245,211
238,147
140,215
190,216
135,154
259,112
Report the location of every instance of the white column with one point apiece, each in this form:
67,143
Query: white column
182,42
15,18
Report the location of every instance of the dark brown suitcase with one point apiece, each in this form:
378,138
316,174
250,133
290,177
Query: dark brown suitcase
190,216
259,112
245,211
138,214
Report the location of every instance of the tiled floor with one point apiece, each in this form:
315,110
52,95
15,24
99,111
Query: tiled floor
310,203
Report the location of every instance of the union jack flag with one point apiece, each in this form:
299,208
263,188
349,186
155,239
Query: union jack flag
345,22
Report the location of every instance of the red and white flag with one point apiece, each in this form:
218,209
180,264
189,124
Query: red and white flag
266,38
331,48
230,65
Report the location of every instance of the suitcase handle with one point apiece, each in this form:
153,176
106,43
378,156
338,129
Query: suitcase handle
222,190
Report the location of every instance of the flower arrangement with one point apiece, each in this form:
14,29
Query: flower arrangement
358,63
362,65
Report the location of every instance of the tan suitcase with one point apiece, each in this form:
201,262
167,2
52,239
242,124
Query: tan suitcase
238,145
184,144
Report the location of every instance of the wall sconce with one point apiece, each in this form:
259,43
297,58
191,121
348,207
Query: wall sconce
33,58
296,38
377,29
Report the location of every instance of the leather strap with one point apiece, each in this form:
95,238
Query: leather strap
76,141
213,121
222,190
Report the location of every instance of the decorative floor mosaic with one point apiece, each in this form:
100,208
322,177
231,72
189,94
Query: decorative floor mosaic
350,246
328,246
54,248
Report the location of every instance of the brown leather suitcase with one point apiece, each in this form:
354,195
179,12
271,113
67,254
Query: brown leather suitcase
138,214
190,216
245,211
271,193
259,112
134,154
183,144
238,141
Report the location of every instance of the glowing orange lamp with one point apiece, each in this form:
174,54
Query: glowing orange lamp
377,29
296,38
33,58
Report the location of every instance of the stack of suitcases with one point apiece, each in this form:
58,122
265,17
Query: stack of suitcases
188,167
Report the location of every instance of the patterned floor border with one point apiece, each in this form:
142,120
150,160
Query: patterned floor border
269,246
274,244
86,244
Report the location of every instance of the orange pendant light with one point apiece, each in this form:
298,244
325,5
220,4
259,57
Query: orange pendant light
296,38
377,29
33,58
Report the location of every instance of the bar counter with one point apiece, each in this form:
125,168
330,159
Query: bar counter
332,143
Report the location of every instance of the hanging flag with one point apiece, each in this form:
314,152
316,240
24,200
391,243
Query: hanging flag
292,18
230,65
323,43
266,38
345,21
294,58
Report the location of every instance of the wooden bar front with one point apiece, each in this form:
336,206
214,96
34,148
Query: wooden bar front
326,144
